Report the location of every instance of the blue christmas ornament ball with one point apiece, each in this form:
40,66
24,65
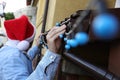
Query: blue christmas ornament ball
73,43
67,46
57,24
65,39
82,38
61,36
105,26
68,41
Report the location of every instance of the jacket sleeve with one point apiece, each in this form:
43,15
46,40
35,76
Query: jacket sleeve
46,68
32,52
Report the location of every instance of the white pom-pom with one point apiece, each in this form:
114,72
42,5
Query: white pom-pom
23,45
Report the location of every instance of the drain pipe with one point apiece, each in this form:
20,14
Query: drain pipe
38,57
45,16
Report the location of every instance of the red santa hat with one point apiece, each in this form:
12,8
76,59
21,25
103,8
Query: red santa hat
19,31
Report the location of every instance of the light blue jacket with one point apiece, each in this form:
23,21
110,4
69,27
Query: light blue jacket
14,65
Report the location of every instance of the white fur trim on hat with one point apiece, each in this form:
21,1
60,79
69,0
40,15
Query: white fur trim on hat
23,45
12,43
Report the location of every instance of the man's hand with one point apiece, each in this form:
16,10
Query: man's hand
53,39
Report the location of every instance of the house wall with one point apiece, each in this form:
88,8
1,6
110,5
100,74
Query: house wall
60,9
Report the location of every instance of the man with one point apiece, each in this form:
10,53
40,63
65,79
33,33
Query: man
16,64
